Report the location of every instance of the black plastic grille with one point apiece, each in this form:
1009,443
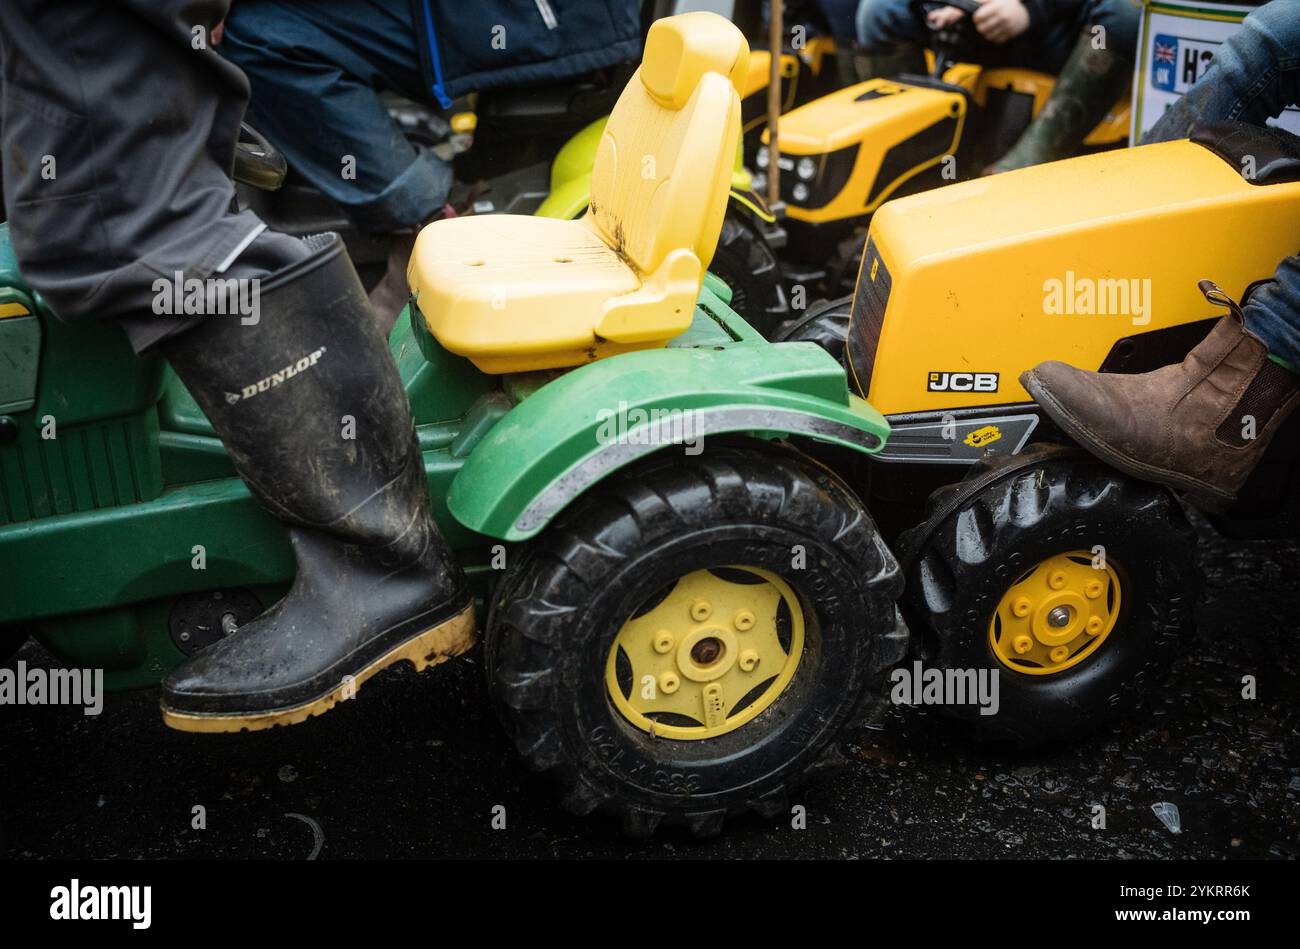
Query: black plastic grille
869,301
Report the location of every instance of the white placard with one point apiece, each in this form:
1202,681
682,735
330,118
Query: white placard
1177,41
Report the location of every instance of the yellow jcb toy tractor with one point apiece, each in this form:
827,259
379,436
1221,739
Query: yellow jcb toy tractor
1022,553
847,153
807,73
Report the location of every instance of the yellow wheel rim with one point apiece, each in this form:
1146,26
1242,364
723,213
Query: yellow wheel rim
716,651
1056,615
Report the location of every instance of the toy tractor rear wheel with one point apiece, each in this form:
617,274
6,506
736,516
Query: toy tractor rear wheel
1072,581
685,642
842,268
748,265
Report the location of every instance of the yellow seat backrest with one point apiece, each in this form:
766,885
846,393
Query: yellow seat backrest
518,294
663,167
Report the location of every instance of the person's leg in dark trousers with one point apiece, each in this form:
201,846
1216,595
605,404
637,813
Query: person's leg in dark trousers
892,35
316,72
118,139
119,126
891,40
1103,38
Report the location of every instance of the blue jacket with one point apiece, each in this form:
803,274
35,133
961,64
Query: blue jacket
469,45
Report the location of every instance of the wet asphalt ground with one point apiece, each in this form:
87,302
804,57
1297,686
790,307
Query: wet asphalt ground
415,766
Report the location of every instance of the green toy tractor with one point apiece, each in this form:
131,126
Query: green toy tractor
682,607
685,534
127,542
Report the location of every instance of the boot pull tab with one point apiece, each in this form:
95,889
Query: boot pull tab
1214,293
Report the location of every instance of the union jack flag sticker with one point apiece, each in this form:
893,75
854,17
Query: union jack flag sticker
1164,59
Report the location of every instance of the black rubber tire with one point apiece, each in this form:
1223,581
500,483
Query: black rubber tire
826,323
959,568
843,266
748,265
555,615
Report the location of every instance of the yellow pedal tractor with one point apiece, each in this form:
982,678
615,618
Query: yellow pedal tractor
1021,553
846,154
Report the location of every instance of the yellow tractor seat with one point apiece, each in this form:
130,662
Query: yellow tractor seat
489,288
515,293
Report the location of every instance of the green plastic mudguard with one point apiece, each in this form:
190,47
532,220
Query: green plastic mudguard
592,421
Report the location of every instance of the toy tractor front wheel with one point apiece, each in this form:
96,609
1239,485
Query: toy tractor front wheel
685,643
1070,580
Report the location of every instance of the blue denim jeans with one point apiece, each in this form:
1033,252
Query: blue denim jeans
316,72
1254,76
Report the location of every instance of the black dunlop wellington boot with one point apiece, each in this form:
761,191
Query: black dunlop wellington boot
311,409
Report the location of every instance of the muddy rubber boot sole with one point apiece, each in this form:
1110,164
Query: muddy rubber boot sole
1201,492
428,647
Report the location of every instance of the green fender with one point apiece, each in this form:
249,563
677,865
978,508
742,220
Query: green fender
592,421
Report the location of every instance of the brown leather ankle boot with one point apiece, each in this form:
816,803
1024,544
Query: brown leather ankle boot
1201,426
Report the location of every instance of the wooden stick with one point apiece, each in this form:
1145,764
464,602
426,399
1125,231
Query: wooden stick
776,30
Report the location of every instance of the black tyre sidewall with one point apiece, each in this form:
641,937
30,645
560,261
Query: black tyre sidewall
12,639
620,765
803,718
1151,556
826,324
755,296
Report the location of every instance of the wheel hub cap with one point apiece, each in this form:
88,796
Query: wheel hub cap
712,653
1055,615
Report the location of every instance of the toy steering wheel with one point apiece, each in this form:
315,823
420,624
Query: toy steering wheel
920,9
945,41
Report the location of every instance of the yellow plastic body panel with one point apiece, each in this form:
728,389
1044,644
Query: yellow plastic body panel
888,116
756,73
977,268
819,53
881,115
965,75
1111,130
516,293
755,84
